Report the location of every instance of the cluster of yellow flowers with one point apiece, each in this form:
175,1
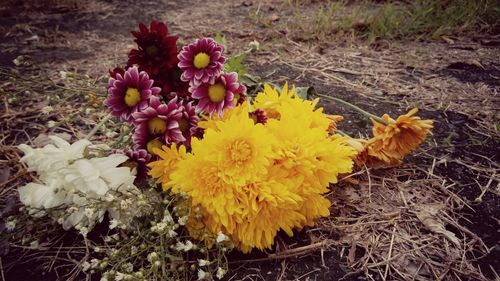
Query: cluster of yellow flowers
249,180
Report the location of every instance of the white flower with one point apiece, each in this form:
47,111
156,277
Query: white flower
52,157
111,134
161,226
51,124
183,220
18,61
133,250
128,267
47,109
84,231
39,196
220,272
85,266
11,224
202,274
120,276
221,237
184,246
152,257
97,176
113,223
34,244
109,197
94,263
63,75
82,186
202,262
254,45
89,212
171,233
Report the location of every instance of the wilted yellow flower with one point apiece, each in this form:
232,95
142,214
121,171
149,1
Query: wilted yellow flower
392,142
403,135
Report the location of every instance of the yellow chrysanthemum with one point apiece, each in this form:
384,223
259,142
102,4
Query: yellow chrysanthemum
276,105
241,148
308,162
270,206
162,169
248,184
271,99
210,121
310,156
201,180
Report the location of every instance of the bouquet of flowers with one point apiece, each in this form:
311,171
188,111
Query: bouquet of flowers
203,161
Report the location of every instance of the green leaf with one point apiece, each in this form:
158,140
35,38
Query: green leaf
236,64
220,40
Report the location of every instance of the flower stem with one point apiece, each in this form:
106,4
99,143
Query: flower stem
358,109
96,128
342,133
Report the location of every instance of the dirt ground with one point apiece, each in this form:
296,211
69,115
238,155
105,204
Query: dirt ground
455,83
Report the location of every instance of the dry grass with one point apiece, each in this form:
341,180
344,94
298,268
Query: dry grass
402,229
420,19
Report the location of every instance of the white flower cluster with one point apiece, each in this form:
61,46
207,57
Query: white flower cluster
73,185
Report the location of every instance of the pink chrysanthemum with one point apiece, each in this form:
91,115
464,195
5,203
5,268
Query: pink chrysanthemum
129,93
157,125
188,123
201,61
219,95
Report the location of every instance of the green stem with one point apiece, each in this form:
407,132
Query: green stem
358,109
344,134
96,128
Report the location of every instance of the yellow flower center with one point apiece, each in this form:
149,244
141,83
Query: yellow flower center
216,92
157,126
236,97
183,125
240,151
132,97
201,60
155,143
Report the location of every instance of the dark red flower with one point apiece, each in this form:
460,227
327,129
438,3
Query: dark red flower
156,52
258,116
171,84
116,70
